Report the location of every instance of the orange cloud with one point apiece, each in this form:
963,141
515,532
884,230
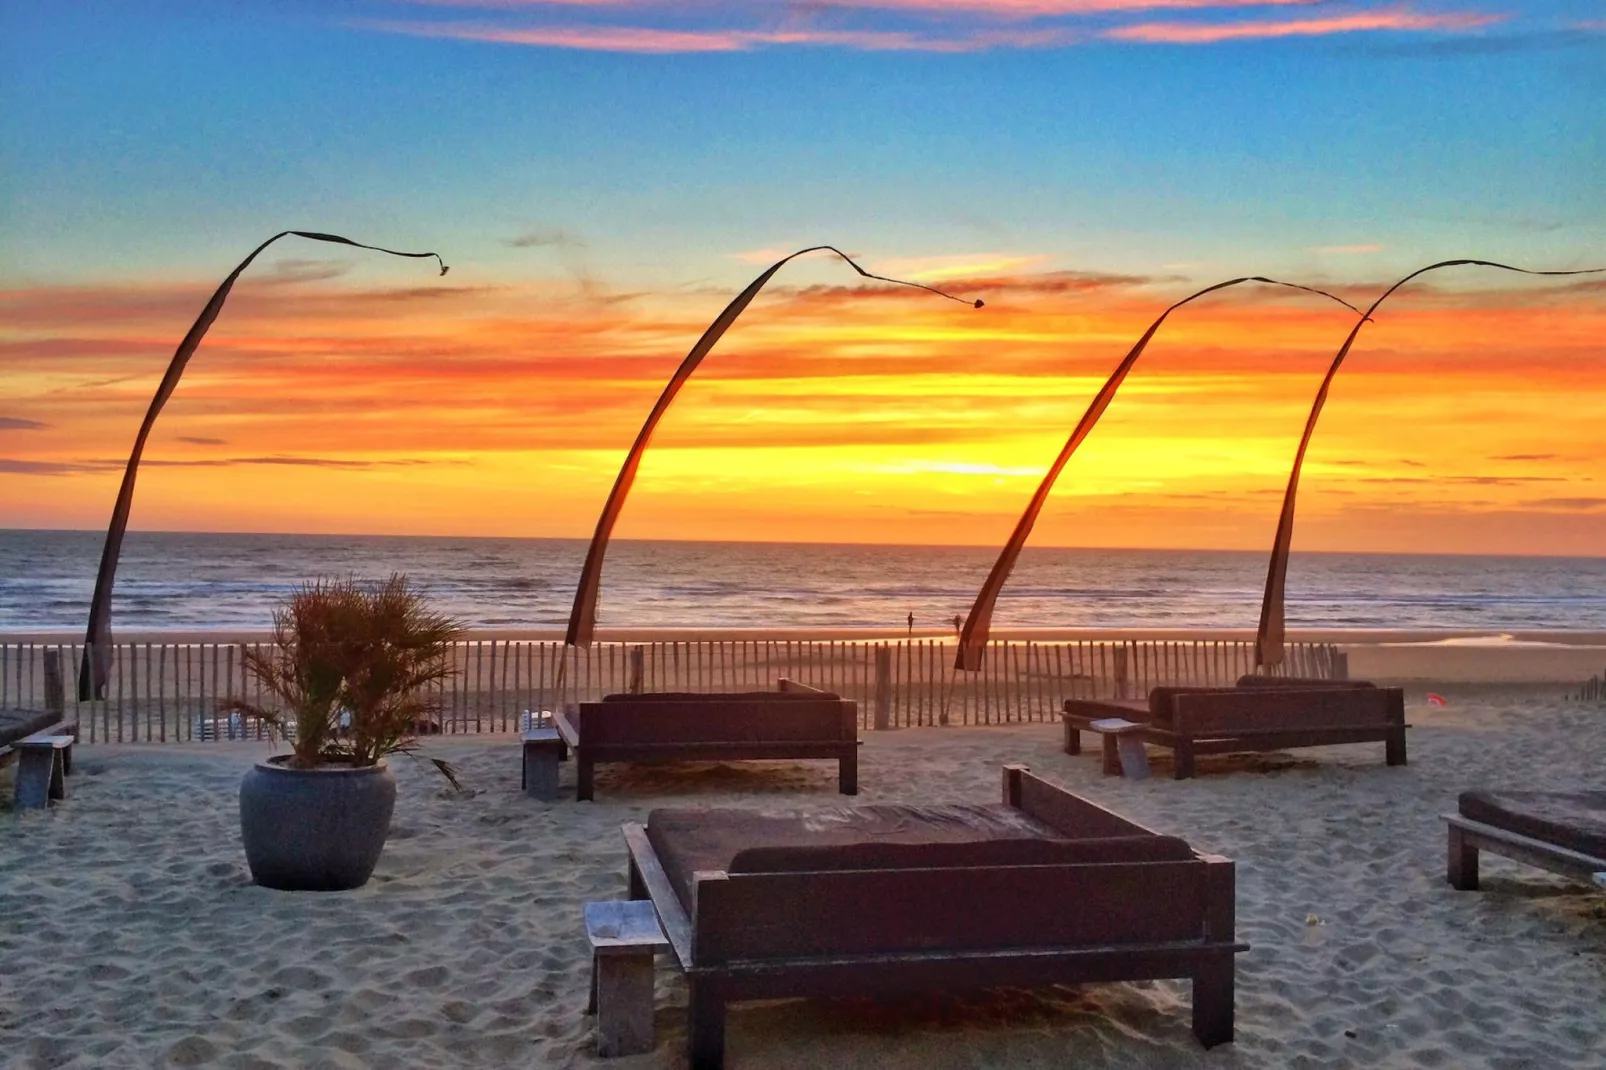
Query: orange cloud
842,412
1185,33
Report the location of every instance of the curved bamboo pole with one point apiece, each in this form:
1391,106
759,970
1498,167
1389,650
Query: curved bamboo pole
973,637
98,636
583,617
1269,634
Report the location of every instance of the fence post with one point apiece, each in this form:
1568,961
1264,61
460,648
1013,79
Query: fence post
637,662
1340,664
883,687
55,693
1120,671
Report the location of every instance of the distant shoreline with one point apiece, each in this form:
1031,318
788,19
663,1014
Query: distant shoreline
1592,638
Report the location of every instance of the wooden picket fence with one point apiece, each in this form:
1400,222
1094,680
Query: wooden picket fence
173,692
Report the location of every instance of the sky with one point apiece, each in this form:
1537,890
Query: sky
604,175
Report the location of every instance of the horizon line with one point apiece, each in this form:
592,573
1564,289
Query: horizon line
796,542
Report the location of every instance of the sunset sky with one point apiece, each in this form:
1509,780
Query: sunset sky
604,175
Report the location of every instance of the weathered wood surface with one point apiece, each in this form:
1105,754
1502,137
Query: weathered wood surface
1123,747
42,771
624,936
542,750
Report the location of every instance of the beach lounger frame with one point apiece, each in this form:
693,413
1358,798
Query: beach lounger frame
876,932
790,723
1561,832
1194,721
1468,837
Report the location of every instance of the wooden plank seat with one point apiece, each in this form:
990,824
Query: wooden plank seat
1045,888
624,936
42,770
688,726
1255,717
542,750
1563,832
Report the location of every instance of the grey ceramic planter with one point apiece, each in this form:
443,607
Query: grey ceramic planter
315,830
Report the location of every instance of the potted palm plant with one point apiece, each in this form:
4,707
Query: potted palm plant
350,673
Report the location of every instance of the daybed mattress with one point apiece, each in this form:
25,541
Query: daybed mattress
1574,820
878,837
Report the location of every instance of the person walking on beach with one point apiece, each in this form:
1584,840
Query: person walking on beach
959,625
911,623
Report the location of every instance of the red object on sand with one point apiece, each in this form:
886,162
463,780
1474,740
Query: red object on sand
1436,700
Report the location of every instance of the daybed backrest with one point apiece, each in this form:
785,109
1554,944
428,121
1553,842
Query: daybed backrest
639,719
1251,680
1160,700
720,696
785,915
1002,852
1270,708
1071,815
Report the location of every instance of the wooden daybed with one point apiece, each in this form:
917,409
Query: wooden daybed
791,723
1563,832
1045,888
1260,714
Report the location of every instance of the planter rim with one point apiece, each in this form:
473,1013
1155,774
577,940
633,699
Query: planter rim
276,764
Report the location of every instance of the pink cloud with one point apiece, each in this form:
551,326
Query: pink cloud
1018,9
1200,33
641,39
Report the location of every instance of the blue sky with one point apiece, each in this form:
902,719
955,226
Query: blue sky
163,137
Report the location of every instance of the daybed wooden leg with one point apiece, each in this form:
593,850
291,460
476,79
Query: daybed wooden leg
583,779
847,772
1462,868
1212,1002
1394,747
1184,758
1073,739
705,1032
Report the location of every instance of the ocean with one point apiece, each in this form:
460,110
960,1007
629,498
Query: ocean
193,581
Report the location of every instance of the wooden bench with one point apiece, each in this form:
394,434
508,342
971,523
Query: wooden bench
624,936
1123,747
543,750
42,767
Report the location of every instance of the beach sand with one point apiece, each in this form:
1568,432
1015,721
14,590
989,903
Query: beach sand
132,936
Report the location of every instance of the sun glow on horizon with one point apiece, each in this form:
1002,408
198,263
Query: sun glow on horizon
844,414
